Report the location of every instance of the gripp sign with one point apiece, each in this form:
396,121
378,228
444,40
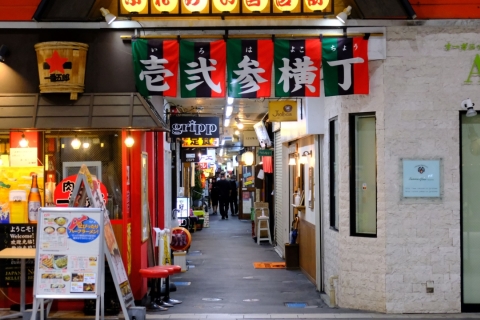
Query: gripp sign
194,127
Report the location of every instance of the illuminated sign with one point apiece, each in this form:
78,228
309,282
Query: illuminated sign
135,5
225,5
195,5
287,5
317,5
165,5
200,142
255,5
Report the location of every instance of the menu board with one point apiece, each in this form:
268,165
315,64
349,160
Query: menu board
69,260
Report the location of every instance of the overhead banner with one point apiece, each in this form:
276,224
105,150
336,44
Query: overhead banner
282,111
155,64
345,66
297,68
202,69
249,68
194,127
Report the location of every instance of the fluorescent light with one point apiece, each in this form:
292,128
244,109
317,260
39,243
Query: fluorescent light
226,122
230,100
221,152
228,111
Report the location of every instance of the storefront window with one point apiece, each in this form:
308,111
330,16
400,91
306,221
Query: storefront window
470,153
334,174
363,177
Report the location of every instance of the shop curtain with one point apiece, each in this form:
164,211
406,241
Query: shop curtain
267,164
155,64
345,66
249,68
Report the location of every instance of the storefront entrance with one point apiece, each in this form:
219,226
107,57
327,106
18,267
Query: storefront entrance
470,212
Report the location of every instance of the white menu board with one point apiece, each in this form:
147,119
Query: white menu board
69,262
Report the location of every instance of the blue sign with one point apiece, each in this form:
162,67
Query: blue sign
421,178
83,229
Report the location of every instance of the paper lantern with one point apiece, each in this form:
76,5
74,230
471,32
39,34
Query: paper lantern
225,5
134,5
248,158
286,5
195,5
317,5
255,5
165,5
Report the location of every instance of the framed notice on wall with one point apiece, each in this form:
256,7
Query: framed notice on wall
421,178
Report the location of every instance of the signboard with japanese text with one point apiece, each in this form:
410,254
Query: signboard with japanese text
200,142
281,111
16,236
64,189
194,127
23,157
421,178
69,261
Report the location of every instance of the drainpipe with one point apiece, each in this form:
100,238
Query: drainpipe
333,303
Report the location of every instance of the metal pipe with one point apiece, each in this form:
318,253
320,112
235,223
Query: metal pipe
333,302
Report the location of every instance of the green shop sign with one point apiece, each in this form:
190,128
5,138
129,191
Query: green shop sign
265,152
474,70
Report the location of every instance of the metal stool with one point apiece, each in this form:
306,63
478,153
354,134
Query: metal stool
266,219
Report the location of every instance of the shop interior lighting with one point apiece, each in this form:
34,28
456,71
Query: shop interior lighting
76,143
239,123
343,16
230,101
468,105
226,122
248,158
23,142
292,161
303,158
237,132
109,18
221,152
86,144
129,141
3,52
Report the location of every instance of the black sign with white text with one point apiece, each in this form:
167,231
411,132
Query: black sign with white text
194,127
192,154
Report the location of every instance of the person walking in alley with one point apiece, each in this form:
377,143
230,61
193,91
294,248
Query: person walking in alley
224,191
213,195
233,196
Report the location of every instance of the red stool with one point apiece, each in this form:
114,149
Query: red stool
156,273
172,269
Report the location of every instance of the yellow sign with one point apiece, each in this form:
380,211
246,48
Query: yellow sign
195,5
165,5
200,142
286,5
282,111
134,5
255,5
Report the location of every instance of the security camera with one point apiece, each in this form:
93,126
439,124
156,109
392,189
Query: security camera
468,104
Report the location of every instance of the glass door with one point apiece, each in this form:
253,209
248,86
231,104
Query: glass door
470,212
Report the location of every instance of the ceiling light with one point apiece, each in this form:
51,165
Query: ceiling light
239,123
228,111
343,16
248,158
109,18
237,132
3,52
76,143
221,152
86,144
23,142
226,122
229,100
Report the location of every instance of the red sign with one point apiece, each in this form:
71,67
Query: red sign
64,190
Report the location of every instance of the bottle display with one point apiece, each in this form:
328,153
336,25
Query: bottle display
49,191
34,201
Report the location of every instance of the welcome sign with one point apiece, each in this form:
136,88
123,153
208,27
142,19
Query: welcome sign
281,111
194,127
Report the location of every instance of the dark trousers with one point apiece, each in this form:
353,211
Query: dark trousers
224,208
234,204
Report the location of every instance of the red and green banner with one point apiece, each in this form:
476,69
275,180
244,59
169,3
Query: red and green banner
345,66
155,63
249,68
297,68
202,69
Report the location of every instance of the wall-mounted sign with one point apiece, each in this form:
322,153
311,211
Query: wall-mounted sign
192,154
421,178
250,139
194,127
474,70
280,111
200,142
265,152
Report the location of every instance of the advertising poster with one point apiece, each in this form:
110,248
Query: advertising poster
15,185
69,251
248,178
16,236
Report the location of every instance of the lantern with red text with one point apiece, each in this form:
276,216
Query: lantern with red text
195,5
255,5
134,5
225,5
165,5
317,5
286,5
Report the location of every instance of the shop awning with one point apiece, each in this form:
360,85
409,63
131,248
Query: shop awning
92,111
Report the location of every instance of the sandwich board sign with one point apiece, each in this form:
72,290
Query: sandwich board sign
72,250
